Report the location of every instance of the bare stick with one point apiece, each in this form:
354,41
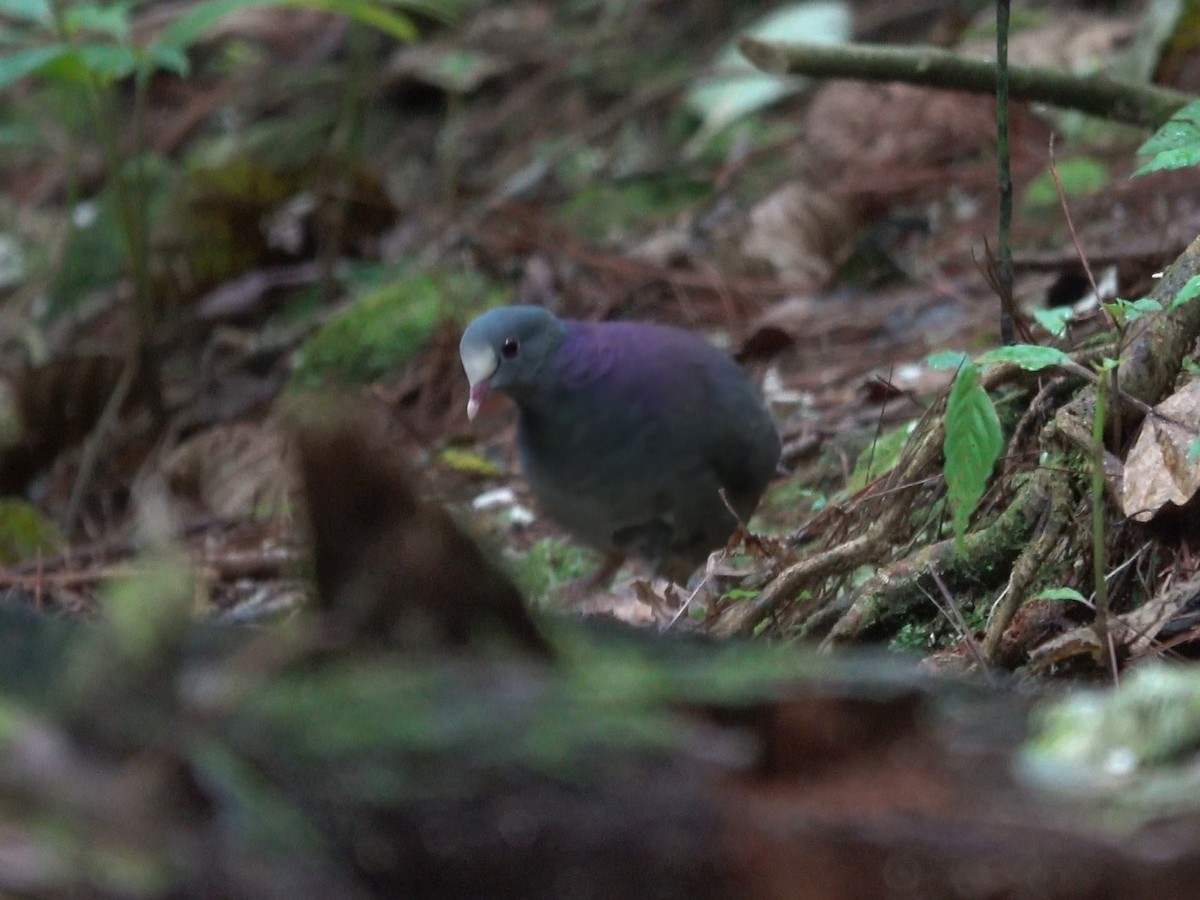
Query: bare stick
1097,95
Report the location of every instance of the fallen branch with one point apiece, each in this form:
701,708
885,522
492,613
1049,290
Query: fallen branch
1131,102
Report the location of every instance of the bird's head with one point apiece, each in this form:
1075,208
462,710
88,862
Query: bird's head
504,350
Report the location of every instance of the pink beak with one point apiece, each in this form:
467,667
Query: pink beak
479,393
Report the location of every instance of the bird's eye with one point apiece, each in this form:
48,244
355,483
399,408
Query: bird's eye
510,348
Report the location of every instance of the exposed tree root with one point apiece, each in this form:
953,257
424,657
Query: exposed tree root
1017,544
1025,570
981,562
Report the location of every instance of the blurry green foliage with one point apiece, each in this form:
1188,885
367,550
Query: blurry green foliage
1080,175
731,87
151,606
88,69
385,326
26,532
601,211
97,247
880,457
552,562
215,228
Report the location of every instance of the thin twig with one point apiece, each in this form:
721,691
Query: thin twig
1004,264
96,441
954,614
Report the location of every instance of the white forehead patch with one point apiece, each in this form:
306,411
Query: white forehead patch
479,362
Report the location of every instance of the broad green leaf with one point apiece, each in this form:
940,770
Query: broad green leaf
15,66
150,608
1190,291
1180,130
947,360
1031,357
1183,158
972,446
1176,145
1054,319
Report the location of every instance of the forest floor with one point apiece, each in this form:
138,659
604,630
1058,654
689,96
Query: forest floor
328,207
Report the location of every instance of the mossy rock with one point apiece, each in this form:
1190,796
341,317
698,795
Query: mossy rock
386,326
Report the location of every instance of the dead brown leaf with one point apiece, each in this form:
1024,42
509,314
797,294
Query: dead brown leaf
802,231
1132,632
1159,469
232,471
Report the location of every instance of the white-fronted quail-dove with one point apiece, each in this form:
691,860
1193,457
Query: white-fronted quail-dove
627,432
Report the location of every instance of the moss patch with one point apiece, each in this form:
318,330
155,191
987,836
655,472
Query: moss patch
386,326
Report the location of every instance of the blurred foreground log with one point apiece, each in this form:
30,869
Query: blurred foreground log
418,736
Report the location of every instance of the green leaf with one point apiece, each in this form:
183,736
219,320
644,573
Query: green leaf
170,59
1079,175
110,20
1182,158
1146,304
1176,145
375,14
973,444
1031,357
181,34
1126,311
1190,291
15,66
1179,131
1061,593
947,360
1055,319
177,37
109,61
